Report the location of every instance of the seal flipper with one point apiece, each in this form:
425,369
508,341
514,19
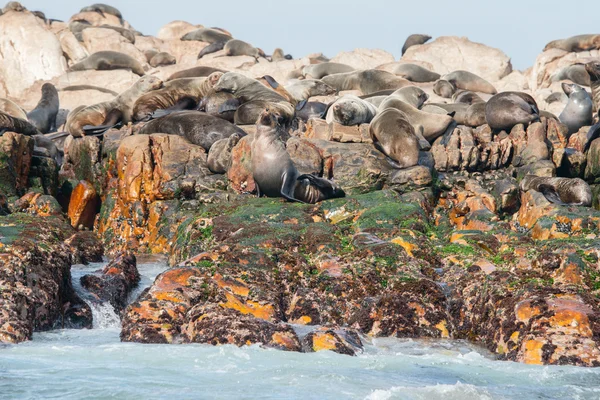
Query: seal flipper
288,187
229,105
271,81
593,134
185,103
550,194
113,119
301,105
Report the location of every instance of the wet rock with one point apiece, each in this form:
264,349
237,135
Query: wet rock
15,162
82,159
83,206
115,283
592,170
409,179
38,204
507,195
85,247
342,341
43,175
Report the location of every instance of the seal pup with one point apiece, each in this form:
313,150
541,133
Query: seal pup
175,95
578,111
208,35
253,97
466,97
447,84
350,110
593,69
321,70
236,47
395,137
507,109
43,116
411,72
100,117
13,109
197,127
575,43
279,55
102,9
196,72
307,88
275,173
161,59
8,123
367,81
219,155
426,124
109,60
211,48
576,73
414,40
562,191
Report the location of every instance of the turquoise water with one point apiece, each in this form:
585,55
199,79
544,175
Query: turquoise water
94,364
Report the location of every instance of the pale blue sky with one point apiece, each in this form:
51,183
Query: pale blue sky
520,28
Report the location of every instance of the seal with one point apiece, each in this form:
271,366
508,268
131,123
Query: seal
211,48
196,72
576,73
578,111
350,110
507,109
212,103
447,84
197,127
43,116
307,88
466,97
13,6
414,40
311,110
208,35
563,191
426,124
412,95
411,72
395,137
270,82
367,81
159,59
321,70
219,156
109,60
254,97
13,109
8,123
102,116
236,47
576,43
279,55
102,9
472,115
275,173
75,88
175,95
593,69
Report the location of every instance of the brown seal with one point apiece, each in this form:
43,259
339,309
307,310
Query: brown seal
576,43
158,59
9,123
208,35
275,173
321,70
199,128
178,94
254,97
350,110
212,103
507,109
593,69
196,72
472,115
102,9
43,116
411,72
576,73
415,40
307,88
270,82
563,191
279,55
211,48
109,113
466,97
11,108
449,83
236,47
395,137
219,156
367,81
109,60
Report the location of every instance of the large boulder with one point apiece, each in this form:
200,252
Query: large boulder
550,62
175,30
451,53
16,152
364,58
28,52
101,39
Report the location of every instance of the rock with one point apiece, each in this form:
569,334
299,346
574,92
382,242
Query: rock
38,204
540,168
516,81
592,170
83,206
98,19
15,162
116,281
36,279
43,175
82,159
27,55
176,29
573,164
71,46
320,129
342,341
85,247
99,39
361,59
507,195
409,179
240,173
117,81
449,53
550,62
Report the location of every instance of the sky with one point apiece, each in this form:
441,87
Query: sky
520,28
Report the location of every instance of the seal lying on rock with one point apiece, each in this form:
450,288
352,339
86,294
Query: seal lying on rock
449,83
279,55
395,137
578,111
219,156
576,73
563,191
350,110
109,60
11,108
307,88
196,72
412,72
100,117
275,173
236,47
367,81
507,109
207,35
319,71
199,128
211,48
414,40
43,116
9,123
575,43
102,9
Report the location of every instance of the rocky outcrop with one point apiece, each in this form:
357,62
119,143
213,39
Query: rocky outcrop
15,162
363,58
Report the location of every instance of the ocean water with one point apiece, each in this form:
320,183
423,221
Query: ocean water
94,364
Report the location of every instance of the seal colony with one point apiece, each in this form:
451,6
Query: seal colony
440,194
